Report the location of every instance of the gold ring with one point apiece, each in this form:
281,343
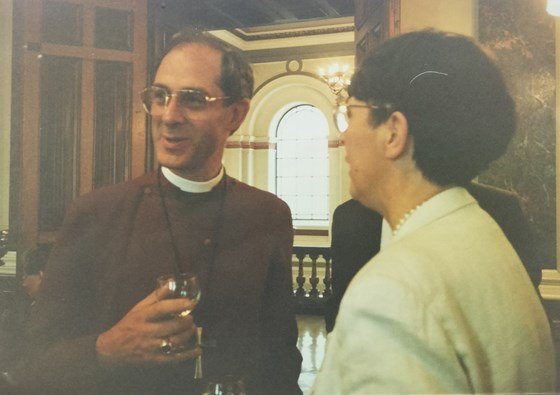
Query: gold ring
166,347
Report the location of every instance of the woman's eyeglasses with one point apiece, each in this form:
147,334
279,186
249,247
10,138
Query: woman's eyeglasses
342,113
156,99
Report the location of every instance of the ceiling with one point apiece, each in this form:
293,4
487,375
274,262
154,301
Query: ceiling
232,14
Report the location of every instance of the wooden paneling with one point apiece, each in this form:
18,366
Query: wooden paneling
113,88
59,138
375,21
81,123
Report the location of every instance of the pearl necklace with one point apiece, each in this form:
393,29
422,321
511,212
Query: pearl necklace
404,219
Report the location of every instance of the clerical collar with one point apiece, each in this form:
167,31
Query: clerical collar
192,186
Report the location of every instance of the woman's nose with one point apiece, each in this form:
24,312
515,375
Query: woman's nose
343,136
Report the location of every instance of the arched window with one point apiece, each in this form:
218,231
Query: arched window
302,164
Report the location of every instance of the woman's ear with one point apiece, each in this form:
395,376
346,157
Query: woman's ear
239,111
398,138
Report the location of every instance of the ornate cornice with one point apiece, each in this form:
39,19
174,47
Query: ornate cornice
293,33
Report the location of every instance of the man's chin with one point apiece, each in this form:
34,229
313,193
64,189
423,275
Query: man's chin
177,168
173,162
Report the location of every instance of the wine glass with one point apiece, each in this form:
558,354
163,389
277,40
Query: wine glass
182,285
228,385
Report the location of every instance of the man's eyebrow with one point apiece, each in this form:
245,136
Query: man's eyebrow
185,88
157,85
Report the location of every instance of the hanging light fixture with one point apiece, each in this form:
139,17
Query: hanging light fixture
337,77
553,7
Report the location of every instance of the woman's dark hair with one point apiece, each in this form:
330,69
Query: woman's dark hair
236,77
459,111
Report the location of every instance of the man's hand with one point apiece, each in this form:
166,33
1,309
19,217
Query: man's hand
137,338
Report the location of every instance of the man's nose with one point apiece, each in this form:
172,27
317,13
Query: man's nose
173,111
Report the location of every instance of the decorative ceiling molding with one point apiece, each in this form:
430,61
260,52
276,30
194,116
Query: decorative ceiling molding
293,33
307,52
337,32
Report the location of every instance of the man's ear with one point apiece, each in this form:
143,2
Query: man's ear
398,138
238,113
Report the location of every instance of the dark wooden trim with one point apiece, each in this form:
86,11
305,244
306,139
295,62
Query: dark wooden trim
311,232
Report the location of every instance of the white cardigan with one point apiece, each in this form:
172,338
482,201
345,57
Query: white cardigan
445,307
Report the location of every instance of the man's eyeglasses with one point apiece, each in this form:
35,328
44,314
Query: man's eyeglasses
341,114
156,99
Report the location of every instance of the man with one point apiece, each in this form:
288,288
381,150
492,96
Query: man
98,325
446,306
356,237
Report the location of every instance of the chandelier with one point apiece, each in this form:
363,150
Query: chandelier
337,77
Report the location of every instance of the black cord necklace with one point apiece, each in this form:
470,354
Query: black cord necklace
214,235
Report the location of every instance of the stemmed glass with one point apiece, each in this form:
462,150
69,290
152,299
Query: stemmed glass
184,285
228,385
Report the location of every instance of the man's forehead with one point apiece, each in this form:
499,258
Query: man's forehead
192,62
195,49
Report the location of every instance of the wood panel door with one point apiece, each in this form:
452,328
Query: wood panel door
375,21
78,124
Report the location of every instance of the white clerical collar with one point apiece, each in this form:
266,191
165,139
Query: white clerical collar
192,186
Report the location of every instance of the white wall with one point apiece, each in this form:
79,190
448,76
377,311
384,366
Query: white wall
276,91
459,16
5,107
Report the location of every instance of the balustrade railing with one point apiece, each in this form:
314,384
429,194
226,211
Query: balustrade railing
312,278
